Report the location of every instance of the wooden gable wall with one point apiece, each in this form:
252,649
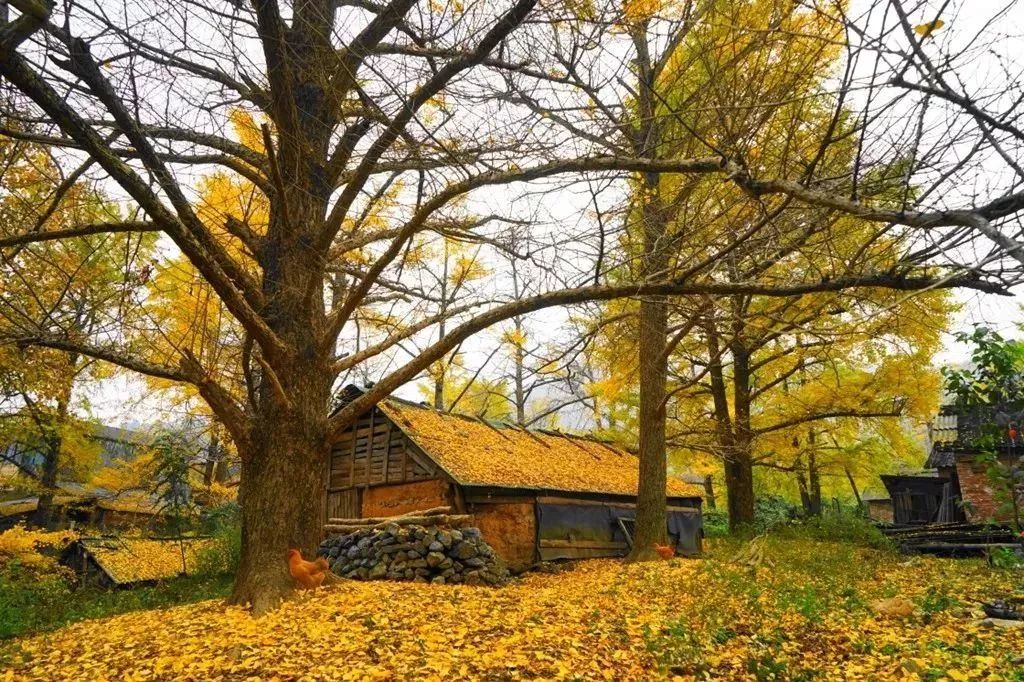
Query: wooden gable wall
372,452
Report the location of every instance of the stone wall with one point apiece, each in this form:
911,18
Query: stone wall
415,553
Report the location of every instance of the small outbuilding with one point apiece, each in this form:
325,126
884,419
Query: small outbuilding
115,561
921,497
535,495
878,507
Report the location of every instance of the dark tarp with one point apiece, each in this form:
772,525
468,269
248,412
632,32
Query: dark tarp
574,531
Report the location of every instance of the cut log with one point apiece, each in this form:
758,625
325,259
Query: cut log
441,520
374,520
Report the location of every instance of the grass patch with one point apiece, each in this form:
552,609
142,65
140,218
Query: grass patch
49,603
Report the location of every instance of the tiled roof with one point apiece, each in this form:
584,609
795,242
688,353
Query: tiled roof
133,560
940,457
479,453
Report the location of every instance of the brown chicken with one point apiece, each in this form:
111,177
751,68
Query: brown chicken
665,551
307,574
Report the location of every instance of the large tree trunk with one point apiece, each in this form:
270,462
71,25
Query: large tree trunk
709,491
44,514
801,482
739,484
651,512
651,507
281,501
284,460
739,470
739,473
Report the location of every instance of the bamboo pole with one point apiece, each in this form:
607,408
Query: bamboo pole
435,520
433,511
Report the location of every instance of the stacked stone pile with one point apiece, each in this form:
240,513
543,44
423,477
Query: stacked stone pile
422,547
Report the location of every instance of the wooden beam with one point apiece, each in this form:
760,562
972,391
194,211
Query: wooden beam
582,544
369,446
352,456
550,499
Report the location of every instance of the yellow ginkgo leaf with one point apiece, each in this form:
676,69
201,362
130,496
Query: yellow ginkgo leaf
926,30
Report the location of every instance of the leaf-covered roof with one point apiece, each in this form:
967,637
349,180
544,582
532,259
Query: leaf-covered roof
479,453
133,560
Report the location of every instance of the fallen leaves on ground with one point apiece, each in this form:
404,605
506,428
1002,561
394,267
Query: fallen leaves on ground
806,617
34,550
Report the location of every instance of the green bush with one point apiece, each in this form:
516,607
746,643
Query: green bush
840,528
771,512
26,602
33,604
224,553
716,523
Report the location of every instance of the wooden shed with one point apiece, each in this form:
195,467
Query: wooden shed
535,495
114,561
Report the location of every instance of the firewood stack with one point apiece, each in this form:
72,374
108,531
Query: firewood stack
424,546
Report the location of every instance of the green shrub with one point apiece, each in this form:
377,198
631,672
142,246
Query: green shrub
771,512
841,528
222,556
26,601
716,523
33,604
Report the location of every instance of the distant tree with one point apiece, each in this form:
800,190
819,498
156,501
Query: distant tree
172,485
79,287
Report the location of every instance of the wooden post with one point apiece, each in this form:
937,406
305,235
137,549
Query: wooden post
387,451
352,454
405,460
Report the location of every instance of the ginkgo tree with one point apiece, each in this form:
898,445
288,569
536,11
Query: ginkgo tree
709,93
457,102
84,287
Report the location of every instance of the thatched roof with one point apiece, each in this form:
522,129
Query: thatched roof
475,452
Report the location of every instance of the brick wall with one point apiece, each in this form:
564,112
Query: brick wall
976,490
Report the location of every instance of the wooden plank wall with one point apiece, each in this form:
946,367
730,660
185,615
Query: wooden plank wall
373,452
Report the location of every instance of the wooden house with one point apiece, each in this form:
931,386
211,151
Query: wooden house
80,505
955,486
535,495
922,497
